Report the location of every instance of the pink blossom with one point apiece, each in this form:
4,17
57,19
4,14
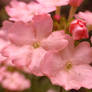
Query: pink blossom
54,2
25,12
87,16
78,29
15,82
70,68
75,3
31,41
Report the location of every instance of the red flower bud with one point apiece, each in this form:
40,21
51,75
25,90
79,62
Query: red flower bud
75,3
57,17
78,29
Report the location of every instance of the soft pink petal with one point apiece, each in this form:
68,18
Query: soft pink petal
2,58
37,57
83,54
43,25
81,74
68,52
19,13
77,77
18,56
52,64
56,41
53,2
21,33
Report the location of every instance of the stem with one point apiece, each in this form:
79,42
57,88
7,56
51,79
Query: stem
62,90
58,10
72,12
89,27
83,90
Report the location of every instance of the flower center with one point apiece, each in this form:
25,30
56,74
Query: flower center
36,44
68,66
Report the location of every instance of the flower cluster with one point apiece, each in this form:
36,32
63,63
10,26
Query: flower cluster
13,81
29,42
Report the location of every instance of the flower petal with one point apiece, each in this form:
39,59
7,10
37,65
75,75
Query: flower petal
18,56
37,56
83,53
56,41
21,33
52,64
43,25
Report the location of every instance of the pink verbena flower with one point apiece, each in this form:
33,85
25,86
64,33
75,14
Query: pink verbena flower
31,41
78,29
70,68
54,2
15,82
87,16
25,12
75,3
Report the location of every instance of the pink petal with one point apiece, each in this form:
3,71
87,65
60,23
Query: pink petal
53,2
21,33
52,64
18,56
83,53
68,52
77,77
37,57
82,75
56,41
43,25
2,58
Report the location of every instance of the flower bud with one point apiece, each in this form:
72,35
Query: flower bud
57,17
78,29
75,3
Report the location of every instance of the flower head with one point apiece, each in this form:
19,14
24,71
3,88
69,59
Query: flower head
70,68
25,12
31,41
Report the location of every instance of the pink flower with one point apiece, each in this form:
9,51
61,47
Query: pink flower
75,3
15,82
25,12
31,41
71,67
87,16
54,2
78,29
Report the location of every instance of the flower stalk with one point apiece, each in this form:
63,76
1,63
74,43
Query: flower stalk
58,10
71,13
